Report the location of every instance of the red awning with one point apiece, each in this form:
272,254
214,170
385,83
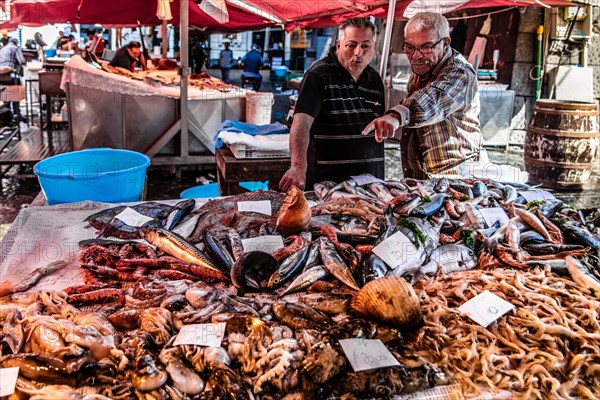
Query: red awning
126,13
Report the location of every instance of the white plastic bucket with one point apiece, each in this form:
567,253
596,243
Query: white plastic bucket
258,107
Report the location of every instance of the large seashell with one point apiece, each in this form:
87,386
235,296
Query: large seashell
252,270
294,214
390,300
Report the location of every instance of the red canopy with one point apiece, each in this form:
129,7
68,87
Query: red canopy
126,13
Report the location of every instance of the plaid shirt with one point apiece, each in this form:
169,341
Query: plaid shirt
443,128
11,56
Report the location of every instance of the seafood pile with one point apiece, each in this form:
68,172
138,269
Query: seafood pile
285,311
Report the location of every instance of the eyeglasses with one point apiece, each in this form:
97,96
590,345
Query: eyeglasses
423,49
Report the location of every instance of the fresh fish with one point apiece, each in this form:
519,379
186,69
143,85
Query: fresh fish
427,208
512,236
313,256
381,191
407,208
235,243
549,248
334,263
306,278
534,222
509,193
179,212
218,253
356,238
371,267
479,188
450,258
340,187
532,236
178,247
288,268
582,235
582,276
550,207
441,186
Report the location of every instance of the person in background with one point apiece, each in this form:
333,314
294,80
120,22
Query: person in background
72,44
440,116
225,62
62,41
339,96
11,58
5,39
95,43
252,61
129,57
197,58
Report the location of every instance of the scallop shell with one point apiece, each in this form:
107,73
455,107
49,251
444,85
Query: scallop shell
390,300
294,214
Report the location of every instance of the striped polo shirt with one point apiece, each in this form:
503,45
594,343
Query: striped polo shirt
342,108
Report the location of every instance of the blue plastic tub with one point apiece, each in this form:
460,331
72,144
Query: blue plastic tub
50,52
212,190
104,175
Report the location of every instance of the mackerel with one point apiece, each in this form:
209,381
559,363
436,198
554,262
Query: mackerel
306,279
179,212
176,246
334,263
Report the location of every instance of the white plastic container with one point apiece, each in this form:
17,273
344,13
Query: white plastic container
258,107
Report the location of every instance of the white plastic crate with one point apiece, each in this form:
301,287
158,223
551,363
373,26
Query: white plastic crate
240,150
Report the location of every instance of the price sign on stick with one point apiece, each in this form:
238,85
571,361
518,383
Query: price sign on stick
485,308
396,250
132,217
261,206
8,380
268,244
366,354
210,335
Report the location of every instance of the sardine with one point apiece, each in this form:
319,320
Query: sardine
179,212
313,256
334,263
307,278
288,268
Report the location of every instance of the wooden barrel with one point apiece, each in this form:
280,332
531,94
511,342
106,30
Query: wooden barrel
562,144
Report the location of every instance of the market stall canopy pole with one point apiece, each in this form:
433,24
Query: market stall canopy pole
184,61
387,39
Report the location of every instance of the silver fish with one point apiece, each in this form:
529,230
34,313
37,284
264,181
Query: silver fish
450,258
381,191
306,279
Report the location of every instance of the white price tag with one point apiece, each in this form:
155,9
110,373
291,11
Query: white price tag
485,308
493,214
396,250
365,179
540,195
8,380
261,206
366,354
132,217
210,335
268,244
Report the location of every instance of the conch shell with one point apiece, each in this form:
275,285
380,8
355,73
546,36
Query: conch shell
294,214
390,300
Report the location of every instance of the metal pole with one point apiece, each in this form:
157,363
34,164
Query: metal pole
538,62
184,9
165,39
387,39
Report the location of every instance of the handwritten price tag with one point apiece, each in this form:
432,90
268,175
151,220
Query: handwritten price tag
396,250
365,179
540,195
261,206
132,217
366,354
210,335
8,380
268,243
493,214
485,308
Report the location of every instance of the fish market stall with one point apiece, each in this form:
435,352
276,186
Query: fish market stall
109,110
362,289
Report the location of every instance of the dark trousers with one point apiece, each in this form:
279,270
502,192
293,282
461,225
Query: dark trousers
225,74
254,78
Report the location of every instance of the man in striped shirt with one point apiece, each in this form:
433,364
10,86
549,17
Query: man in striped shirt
339,96
440,116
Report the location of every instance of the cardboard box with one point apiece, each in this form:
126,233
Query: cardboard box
12,93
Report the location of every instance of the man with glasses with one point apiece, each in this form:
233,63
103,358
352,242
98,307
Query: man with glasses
440,116
339,96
